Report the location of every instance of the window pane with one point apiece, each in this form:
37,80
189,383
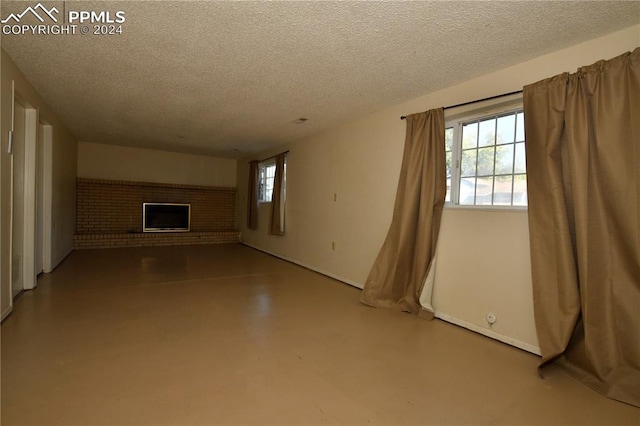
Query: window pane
470,135
484,190
485,161
448,139
504,159
268,189
506,129
520,161
447,197
467,190
487,133
492,161
271,171
266,174
520,127
520,190
502,191
468,166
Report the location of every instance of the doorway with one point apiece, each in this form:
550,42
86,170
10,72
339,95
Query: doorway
24,198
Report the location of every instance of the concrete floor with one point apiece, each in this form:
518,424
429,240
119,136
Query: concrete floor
228,335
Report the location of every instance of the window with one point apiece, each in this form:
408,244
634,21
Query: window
486,160
266,173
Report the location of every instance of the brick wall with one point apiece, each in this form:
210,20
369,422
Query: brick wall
115,207
153,239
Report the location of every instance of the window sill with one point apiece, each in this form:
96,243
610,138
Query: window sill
513,209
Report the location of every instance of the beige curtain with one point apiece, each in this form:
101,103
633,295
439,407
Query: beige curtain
401,268
277,199
583,166
252,196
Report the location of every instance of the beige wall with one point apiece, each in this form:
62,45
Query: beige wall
61,218
99,161
63,199
483,256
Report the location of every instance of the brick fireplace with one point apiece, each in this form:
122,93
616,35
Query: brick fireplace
109,213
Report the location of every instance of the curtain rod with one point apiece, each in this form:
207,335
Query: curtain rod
273,156
476,101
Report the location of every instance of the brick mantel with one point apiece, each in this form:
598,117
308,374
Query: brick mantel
111,207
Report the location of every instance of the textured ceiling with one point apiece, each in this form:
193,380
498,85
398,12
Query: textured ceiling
228,78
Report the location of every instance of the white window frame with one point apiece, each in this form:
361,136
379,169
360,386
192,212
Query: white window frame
456,120
263,178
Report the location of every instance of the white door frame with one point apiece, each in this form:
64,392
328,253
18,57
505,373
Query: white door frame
47,189
43,196
9,267
30,197
39,247
30,165
28,273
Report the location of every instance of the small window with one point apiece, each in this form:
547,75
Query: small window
486,160
266,173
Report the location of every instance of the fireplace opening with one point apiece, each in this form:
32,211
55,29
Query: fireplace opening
166,217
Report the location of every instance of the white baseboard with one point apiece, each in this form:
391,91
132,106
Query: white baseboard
489,333
448,318
304,265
